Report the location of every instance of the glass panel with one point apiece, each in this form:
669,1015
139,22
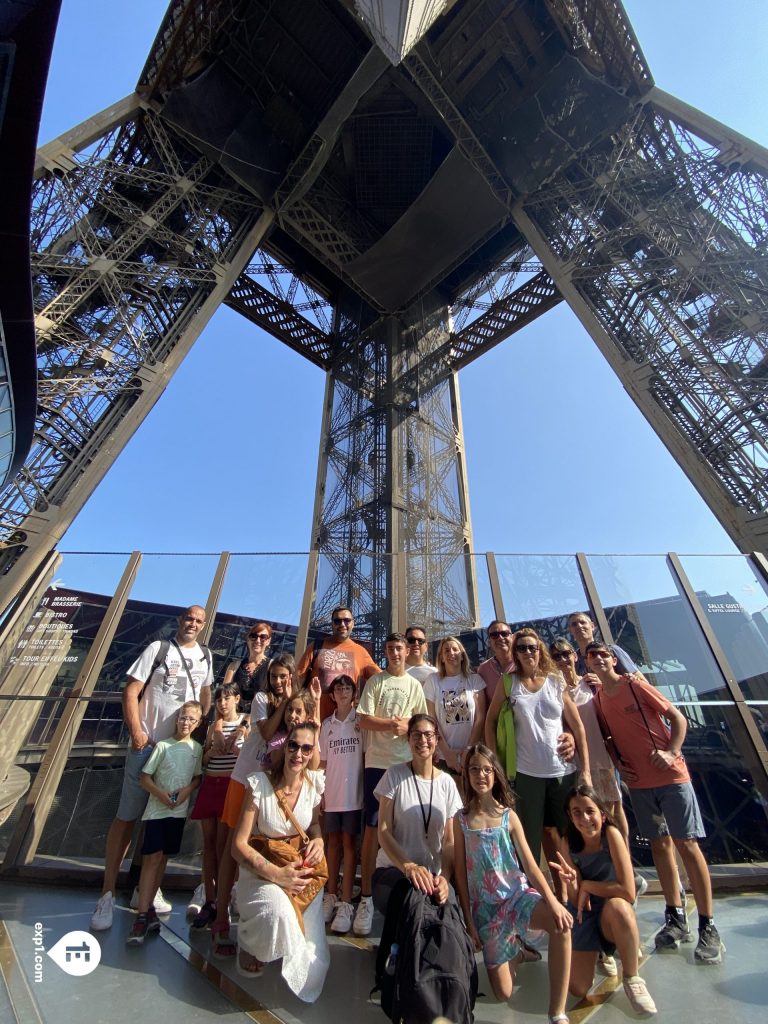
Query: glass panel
723,770
654,624
541,591
735,599
89,791
258,587
50,651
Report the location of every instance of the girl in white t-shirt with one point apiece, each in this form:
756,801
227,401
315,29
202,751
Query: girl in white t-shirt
341,755
456,698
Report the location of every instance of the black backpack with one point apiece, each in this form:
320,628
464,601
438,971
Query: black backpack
435,973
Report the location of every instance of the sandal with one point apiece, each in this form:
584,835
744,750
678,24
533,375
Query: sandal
205,918
222,944
528,954
255,969
561,1018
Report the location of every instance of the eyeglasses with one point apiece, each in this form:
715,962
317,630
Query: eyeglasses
259,636
499,634
305,748
339,621
421,736
561,655
188,718
416,639
526,648
476,769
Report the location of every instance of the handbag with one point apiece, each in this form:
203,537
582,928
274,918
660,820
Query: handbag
287,851
506,745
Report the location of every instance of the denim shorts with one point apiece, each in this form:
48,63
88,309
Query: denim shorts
668,811
342,821
133,799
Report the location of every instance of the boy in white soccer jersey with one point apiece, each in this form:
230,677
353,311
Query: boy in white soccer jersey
341,755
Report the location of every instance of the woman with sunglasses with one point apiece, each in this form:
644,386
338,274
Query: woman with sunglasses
250,673
540,703
269,926
417,805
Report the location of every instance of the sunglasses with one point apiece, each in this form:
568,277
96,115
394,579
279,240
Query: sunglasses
339,621
561,655
259,636
499,634
526,648
599,654
305,748
416,639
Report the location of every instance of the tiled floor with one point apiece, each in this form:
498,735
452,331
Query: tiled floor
170,979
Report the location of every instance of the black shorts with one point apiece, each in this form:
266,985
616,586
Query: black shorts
163,835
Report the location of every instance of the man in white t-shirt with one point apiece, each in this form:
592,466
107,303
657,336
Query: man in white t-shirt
387,703
416,661
155,691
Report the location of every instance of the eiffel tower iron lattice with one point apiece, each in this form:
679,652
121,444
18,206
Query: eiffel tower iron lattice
274,160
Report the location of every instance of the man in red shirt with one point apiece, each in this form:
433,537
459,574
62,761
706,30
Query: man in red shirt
648,733
337,655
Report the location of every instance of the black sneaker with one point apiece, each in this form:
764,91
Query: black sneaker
709,948
153,921
205,918
138,932
673,933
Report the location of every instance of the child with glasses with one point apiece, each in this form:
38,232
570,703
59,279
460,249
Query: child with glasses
170,776
341,755
493,863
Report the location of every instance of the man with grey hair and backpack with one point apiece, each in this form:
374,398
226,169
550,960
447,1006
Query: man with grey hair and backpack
168,674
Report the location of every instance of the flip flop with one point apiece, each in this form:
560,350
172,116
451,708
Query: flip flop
245,972
223,946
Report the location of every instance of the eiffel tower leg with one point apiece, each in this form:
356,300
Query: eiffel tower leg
138,241
392,480
657,238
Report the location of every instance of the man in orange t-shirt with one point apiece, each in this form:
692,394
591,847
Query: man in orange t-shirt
337,655
648,733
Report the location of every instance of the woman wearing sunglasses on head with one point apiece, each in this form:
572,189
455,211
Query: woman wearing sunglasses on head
277,920
250,673
540,702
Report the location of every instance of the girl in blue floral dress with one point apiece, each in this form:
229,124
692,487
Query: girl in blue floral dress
498,903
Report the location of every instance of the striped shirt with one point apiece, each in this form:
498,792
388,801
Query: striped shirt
222,764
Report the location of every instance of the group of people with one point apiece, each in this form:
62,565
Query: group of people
457,780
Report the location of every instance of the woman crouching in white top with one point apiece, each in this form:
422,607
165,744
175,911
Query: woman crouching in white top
417,804
269,927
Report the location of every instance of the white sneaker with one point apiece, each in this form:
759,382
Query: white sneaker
195,905
342,920
639,996
160,903
364,916
329,906
102,915
641,886
607,965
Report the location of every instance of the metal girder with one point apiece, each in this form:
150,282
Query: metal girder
281,314
392,479
504,317
657,239
137,241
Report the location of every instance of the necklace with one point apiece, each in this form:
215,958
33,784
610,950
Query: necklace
425,817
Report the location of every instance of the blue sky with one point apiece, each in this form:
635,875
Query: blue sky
227,458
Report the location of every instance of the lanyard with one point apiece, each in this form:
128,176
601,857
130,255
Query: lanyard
426,818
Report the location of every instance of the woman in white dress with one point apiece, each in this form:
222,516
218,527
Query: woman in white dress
455,696
269,926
